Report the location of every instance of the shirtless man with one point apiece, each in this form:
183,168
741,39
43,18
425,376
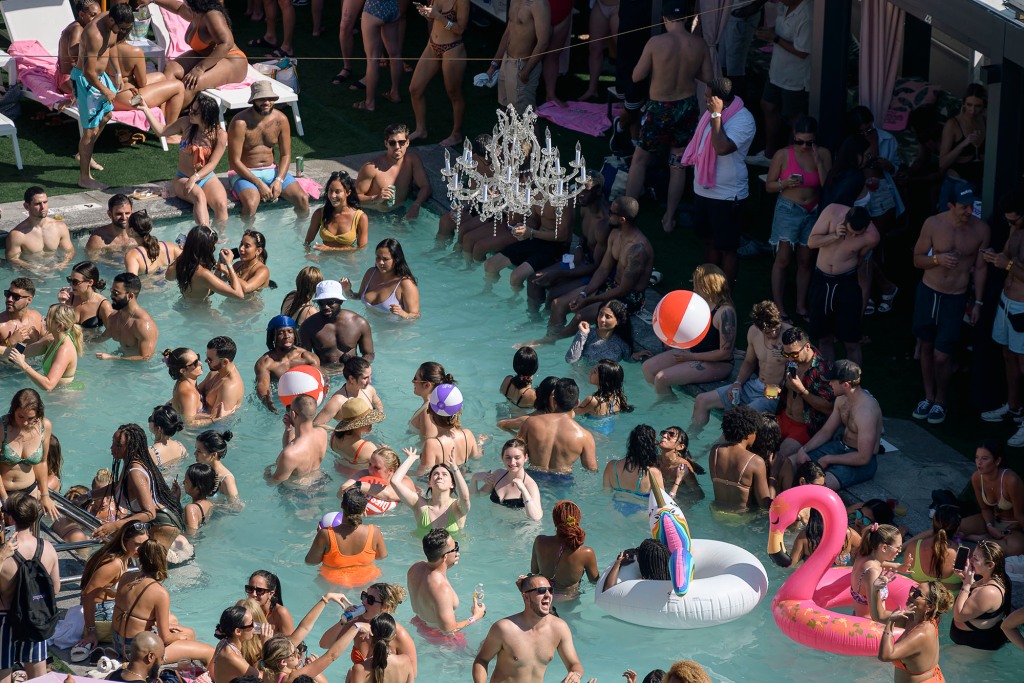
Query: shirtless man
758,382
282,356
223,385
433,599
114,235
303,445
541,241
520,52
18,322
554,441
67,46
399,167
739,476
844,237
252,137
39,234
674,60
129,325
951,245
358,375
525,643
847,456
334,334
624,274
94,91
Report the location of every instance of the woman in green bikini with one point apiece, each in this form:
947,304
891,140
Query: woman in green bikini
440,510
26,445
60,349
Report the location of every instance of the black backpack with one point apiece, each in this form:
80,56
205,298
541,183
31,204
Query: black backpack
33,609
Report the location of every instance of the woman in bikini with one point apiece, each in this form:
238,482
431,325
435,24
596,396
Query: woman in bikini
609,399
381,31
164,423
376,599
453,444
185,368
934,550
603,29
297,303
234,628
143,604
915,655
340,223
203,143
265,588
200,484
438,508
739,476
211,449
444,52
251,266
873,569
518,388
196,272
152,256
283,660
511,486
358,377
346,552
352,451
627,478
984,602
384,665
428,376
1000,495
390,286
83,295
23,453
675,462
60,349
563,558
962,149
375,481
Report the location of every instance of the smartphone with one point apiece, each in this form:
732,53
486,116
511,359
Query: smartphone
180,239
962,553
20,347
791,369
234,254
799,177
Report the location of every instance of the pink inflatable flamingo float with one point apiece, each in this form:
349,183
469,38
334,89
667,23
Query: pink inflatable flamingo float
802,606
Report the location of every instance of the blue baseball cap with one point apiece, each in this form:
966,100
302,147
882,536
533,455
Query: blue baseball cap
963,193
279,321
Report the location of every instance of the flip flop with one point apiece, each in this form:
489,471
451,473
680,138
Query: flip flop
80,653
341,77
887,301
278,53
358,85
261,43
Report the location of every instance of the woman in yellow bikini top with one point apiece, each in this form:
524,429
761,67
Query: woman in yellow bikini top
339,212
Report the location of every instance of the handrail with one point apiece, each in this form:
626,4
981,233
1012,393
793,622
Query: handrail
84,519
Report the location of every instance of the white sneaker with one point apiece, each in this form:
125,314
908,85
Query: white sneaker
1001,413
759,159
1017,440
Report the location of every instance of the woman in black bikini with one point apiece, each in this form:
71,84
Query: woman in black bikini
962,150
518,388
518,491
91,307
200,483
445,52
983,603
563,558
152,256
454,444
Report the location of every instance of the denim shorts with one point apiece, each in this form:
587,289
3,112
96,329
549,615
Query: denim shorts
792,223
751,394
882,199
847,475
735,44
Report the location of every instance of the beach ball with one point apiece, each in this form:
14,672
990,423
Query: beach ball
331,520
446,399
302,379
681,319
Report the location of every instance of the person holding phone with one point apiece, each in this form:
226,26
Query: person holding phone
984,602
917,649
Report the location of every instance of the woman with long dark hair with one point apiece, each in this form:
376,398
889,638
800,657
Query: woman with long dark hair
627,478
525,365
200,484
83,295
609,398
196,271
563,558
164,422
265,588
340,223
297,303
676,464
26,445
152,256
234,628
962,150
203,143
389,286
1000,495
384,665
251,265
611,340
212,448
186,367
283,660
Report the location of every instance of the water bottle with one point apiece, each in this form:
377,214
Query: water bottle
352,613
478,594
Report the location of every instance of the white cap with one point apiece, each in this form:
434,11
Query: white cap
329,289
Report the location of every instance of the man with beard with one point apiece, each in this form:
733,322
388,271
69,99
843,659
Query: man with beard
433,599
252,136
282,356
39,234
114,235
223,384
525,643
334,334
385,181
145,658
129,325
18,322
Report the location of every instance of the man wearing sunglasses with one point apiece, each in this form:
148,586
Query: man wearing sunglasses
223,383
384,182
433,599
114,235
524,643
18,322
39,234
806,399
334,334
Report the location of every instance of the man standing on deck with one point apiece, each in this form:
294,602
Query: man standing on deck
520,53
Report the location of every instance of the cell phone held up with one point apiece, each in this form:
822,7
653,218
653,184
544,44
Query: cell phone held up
962,555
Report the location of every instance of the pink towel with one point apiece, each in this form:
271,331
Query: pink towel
306,183
176,27
586,117
249,79
704,157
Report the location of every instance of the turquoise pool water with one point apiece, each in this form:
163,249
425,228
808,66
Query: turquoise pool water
472,335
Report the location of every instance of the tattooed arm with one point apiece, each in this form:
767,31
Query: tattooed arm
725,323
633,270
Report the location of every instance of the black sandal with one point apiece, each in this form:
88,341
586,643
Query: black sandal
341,77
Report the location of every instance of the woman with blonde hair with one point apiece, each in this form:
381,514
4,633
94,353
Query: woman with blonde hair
283,661
917,649
60,350
711,360
252,649
563,558
375,481
297,303
379,598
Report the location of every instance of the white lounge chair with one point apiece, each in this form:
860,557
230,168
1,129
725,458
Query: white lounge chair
228,98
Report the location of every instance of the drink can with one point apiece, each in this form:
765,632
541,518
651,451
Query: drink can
300,164
394,189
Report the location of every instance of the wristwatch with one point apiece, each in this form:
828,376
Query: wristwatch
716,114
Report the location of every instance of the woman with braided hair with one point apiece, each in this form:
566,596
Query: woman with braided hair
140,488
563,558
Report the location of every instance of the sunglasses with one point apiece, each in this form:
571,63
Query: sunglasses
670,434
194,364
803,143
8,294
140,527
453,550
915,593
372,600
859,516
897,548
324,303
540,590
73,281
253,590
792,356
248,627
397,143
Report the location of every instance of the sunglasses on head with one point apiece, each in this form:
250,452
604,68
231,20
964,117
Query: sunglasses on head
140,527
372,600
17,297
254,590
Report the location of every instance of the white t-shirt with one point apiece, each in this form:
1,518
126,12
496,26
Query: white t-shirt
731,169
788,71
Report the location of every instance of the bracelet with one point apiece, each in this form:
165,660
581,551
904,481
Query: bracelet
495,64
806,392
1009,266
323,599
935,259
472,620
979,302
90,629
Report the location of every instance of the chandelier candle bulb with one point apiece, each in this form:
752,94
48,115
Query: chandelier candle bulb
578,153
483,195
447,162
547,136
561,187
508,174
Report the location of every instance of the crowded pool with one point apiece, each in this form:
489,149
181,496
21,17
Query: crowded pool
472,333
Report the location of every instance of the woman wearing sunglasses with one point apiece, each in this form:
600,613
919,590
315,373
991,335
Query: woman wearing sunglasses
284,657
186,367
916,653
677,466
871,573
379,598
235,628
265,587
83,295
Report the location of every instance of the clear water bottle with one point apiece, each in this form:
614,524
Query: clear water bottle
352,613
478,594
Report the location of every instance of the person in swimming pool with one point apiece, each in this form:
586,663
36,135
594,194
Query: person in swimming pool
454,444
25,446
200,484
223,384
185,368
438,509
917,649
378,598
198,274
375,480
265,588
434,601
627,478
524,364
739,475
151,256
164,422
609,399
297,303
305,446
60,350
675,462
394,287
511,486
563,558
346,552
427,377
554,440
358,375
356,420
340,223
251,264
282,355
335,334
83,295
114,235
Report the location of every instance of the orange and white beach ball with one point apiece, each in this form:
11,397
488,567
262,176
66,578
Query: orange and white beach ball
681,319
302,379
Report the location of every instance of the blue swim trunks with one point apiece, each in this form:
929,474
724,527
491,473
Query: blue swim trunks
266,174
93,107
201,181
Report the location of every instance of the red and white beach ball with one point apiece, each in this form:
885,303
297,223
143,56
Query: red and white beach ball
681,319
302,379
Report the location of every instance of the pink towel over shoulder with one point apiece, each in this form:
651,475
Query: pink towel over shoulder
704,158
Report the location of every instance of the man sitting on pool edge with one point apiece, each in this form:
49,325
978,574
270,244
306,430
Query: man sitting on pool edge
399,168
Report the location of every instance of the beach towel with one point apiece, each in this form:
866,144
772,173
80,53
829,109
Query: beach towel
703,158
585,117
311,187
176,27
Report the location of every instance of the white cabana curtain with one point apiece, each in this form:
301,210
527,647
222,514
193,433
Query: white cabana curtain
881,45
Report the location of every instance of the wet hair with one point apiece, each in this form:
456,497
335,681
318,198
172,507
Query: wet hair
209,117
175,361
525,365
881,511
655,676
386,453
224,347
112,550
89,270
27,399
118,200
383,631
795,335
434,544
848,158
940,600
24,283
765,315
391,594
805,125
275,651
132,283
31,193
809,471
355,366
814,530
306,281
945,524
54,457
215,443
353,504
722,88
642,449
993,446
977,90
351,197
260,241
396,129
448,421
876,535
63,319
652,559
768,438
167,419
230,619
204,478
451,473
566,394
153,559
137,450
23,509
142,224
273,583
434,373
687,671
713,285
567,516
544,391
623,327
401,266
198,250
740,422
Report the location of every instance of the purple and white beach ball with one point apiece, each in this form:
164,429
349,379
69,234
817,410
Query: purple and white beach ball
331,520
446,399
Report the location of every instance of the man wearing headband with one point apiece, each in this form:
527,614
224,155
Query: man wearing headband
282,355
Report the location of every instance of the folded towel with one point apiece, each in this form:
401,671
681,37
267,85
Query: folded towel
481,80
176,27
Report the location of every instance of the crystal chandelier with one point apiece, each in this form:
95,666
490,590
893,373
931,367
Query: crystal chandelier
523,174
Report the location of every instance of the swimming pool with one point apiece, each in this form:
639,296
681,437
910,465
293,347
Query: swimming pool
472,334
